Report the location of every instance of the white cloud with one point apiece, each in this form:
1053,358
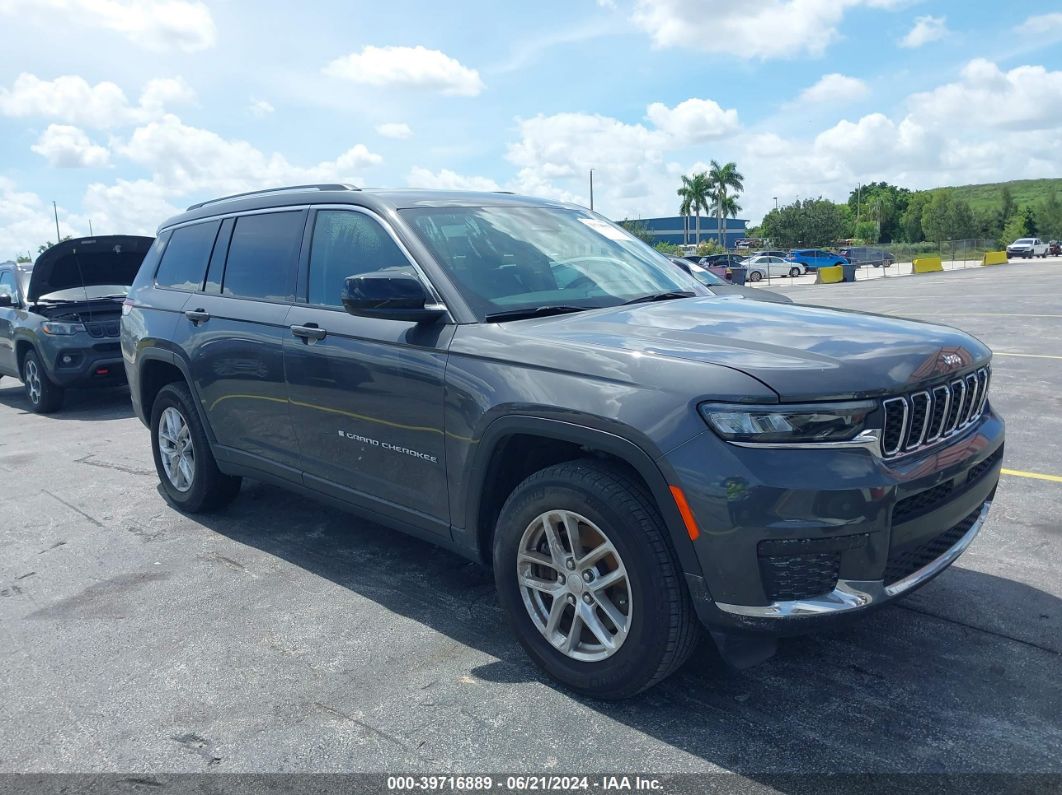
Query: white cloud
693,121
394,129
70,98
1045,27
26,221
761,29
185,159
925,30
834,88
1026,97
259,108
407,67
185,25
448,180
64,146
131,207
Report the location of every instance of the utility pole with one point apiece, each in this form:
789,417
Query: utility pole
775,202
591,189
56,211
858,194
91,233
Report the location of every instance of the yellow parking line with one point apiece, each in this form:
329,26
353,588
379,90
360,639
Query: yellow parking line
1028,355
1035,475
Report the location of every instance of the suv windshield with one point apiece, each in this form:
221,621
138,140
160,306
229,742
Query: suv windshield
513,258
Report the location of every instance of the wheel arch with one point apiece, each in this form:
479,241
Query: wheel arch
513,447
157,367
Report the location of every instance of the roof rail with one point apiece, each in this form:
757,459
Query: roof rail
321,186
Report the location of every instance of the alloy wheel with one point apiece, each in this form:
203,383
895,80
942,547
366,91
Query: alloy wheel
574,585
176,449
33,381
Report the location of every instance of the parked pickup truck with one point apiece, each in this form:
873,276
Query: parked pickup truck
1027,247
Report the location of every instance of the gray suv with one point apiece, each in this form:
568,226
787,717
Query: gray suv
523,382
59,316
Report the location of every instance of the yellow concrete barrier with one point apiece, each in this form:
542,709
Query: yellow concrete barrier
994,258
830,275
927,265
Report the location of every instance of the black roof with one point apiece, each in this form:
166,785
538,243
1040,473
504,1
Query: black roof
382,201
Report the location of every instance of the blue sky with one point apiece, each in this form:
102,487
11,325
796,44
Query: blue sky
123,112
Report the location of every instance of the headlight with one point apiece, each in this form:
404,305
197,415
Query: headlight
62,329
814,422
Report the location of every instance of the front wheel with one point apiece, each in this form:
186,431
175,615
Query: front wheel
190,478
755,276
589,581
43,394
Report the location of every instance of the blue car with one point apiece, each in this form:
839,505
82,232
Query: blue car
814,258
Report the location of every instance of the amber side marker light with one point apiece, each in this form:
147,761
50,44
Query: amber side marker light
685,512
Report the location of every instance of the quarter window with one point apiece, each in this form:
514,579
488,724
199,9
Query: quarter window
7,284
347,243
184,261
263,256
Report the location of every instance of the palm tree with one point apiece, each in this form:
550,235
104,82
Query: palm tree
720,180
729,207
695,192
684,210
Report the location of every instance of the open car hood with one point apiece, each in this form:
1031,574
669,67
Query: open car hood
87,261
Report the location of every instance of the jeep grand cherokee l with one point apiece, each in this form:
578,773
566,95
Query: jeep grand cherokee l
525,383
59,316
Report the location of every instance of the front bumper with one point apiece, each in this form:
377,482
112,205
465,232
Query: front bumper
72,362
792,538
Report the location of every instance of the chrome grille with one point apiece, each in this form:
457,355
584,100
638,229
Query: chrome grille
923,418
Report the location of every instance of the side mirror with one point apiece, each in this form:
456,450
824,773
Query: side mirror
390,295
6,299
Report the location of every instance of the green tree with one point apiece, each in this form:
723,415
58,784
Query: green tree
1007,205
1028,217
911,220
937,217
961,221
867,231
23,258
1015,228
1049,216
45,246
721,180
882,203
808,222
694,192
639,230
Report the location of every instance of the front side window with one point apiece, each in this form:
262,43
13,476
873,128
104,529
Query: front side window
347,243
184,259
514,258
263,256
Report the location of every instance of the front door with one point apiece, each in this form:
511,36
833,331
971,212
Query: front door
7,323
366,394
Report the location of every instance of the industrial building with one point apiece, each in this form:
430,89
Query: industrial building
671,229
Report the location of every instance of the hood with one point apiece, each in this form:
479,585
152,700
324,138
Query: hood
752,293
86,262
800,352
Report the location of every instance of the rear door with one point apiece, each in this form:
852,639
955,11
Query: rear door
235,330
366,393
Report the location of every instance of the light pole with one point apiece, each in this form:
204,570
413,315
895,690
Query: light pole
56,211
591,189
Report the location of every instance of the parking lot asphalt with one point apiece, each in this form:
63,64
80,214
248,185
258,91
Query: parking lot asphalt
280,635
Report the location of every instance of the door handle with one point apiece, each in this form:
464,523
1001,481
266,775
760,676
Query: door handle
309,332
197,316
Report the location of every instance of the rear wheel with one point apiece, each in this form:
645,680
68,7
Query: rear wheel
44,395
794,272
589,580
190,478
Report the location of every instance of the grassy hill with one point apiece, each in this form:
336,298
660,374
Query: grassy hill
1024,191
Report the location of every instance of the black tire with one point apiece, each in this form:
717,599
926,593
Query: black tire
755,276
209,488
44,396
663,629
794,272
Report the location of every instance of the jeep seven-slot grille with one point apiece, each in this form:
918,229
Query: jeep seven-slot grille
921,418
103,328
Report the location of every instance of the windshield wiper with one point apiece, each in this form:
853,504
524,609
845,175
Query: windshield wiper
534,311
666,296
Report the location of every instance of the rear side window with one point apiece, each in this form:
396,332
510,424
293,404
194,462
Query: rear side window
184,262
263,256
7,284
347,243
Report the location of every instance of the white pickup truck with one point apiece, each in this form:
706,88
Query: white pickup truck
1027,247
